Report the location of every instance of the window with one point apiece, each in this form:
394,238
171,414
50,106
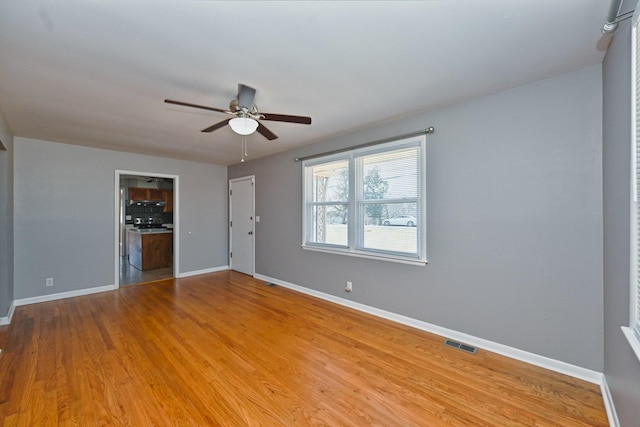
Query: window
368,202
633,332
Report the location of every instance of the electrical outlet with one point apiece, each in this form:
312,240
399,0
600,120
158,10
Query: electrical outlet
348,287
49,281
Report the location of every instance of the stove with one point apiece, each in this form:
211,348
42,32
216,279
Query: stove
151,226
151,221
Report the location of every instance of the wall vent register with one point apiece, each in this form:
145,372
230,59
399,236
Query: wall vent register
464,347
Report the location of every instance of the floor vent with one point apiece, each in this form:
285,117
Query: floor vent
460,346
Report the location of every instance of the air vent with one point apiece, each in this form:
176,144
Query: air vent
464,347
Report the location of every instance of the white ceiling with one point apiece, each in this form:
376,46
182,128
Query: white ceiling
96,72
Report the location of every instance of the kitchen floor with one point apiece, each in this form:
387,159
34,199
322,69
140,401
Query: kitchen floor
129,275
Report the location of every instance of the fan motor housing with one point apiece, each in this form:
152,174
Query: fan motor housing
235,107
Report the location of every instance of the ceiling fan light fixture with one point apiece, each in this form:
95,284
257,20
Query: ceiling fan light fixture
243,125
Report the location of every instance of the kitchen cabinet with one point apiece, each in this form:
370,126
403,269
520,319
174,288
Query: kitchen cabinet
154,194
150,250
167,196
137,194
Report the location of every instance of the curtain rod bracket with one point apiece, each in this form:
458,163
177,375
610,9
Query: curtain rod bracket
615,17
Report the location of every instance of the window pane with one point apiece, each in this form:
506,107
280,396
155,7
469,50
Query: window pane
331,182
330,224
397,232
391,175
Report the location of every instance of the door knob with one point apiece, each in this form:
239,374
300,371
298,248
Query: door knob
251,232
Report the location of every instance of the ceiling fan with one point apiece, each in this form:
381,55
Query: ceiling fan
247,117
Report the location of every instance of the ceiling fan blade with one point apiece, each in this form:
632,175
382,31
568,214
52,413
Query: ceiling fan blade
186,104
286,118
216,126
246,95
262,130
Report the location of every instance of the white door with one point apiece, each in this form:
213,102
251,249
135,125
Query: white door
241,225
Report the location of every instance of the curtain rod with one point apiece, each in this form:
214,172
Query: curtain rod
428,130
613,18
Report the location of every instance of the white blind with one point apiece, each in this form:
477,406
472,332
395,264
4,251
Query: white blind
389,196
636,181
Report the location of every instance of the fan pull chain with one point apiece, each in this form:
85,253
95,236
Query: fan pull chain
244,148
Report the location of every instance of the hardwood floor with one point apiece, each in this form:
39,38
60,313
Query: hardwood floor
224,349
129,275
4,333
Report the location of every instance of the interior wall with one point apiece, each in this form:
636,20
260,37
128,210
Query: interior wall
6,217
514,221
65,206
621,366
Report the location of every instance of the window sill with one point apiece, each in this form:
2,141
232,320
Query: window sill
367,256
633,340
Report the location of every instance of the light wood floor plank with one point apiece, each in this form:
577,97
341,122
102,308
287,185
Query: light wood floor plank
224,349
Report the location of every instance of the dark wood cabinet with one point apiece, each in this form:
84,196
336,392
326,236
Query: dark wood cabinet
148,251
167,196
154,194
138,194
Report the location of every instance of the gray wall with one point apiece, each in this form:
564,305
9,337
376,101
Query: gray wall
6,217
621,367
64,214
514,221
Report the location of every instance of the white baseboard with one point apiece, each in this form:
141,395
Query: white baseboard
612,415
7,320
205,271
588,375
62,295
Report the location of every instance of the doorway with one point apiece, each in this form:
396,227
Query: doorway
242,225
146,227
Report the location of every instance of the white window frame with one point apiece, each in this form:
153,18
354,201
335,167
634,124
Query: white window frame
633,331
355,227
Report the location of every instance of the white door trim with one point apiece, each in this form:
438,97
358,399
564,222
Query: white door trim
176,220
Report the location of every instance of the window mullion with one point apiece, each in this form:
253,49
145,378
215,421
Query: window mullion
635,226
388,201
353,214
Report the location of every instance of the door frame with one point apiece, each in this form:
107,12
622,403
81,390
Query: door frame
253,215
176,221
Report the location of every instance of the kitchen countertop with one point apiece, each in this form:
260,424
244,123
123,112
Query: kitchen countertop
149,230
